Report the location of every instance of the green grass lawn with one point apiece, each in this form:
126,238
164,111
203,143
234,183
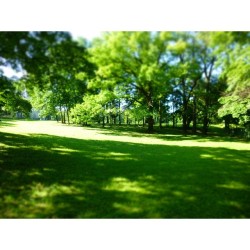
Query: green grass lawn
50,170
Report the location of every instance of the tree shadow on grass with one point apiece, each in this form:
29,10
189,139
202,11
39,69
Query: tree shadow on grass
166,133
44,176
6,123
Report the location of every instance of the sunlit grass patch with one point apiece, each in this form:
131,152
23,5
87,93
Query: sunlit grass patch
235,185
121,184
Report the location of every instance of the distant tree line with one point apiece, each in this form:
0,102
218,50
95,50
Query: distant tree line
148,78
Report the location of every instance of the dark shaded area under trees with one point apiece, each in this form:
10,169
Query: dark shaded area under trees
204,183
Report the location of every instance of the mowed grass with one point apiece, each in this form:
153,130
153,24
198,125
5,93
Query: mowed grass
50,170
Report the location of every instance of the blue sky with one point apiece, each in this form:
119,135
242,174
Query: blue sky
9,72
88,34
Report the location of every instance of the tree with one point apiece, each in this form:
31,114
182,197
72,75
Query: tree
186,72
27,51
236,99
136,60
207,60
94,107
12,101
147,76
64,77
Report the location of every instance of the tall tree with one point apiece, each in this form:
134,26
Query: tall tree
186,71
64,76
136,60
236,99
208,60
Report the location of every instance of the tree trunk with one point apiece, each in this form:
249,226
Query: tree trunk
127,120
185,104
61,114
68,116
173,120
205,113
150,124
184,116
160,115
110,119
103,121
150,117
119,116
120,119
205,123
208,73
227,123
64,117
194,129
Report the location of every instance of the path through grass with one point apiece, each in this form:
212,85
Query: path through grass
49,170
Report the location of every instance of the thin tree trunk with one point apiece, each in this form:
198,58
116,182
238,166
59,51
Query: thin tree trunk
103,121
150,118
61,114
64,117
68,116
119,116
184,115
194,129
185,106
173,120
160,115
205,114
110,119
208,73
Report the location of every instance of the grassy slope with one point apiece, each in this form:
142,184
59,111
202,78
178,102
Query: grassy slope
55,171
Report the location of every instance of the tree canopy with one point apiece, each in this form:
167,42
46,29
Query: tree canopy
149,77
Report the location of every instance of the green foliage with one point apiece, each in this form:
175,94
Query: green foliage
53,62
236,100
131,72
12,101
235,106
88,111
135,60
137,112
63,79
45,102
15,103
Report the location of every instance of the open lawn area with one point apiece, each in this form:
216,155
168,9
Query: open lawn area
50,170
